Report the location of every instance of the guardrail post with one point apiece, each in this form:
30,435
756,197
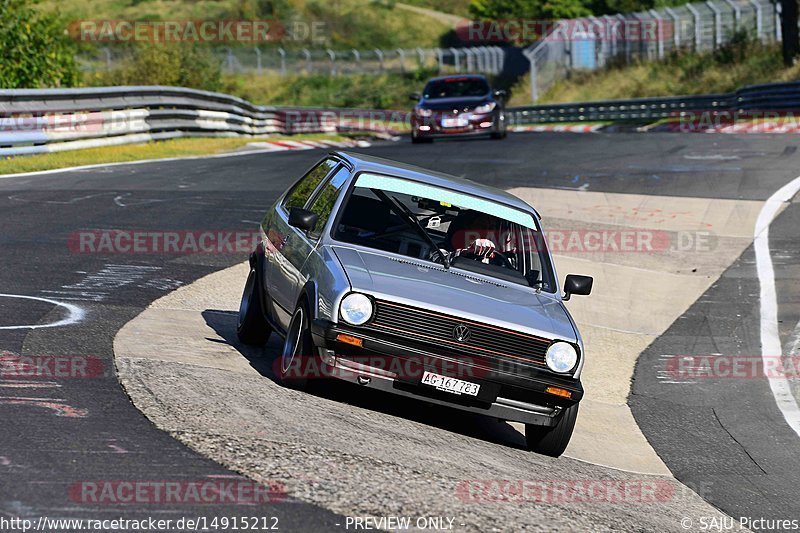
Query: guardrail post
258,60
676,30
480,58
421,57
717,23
456,59
440,58
107,54
759,19
624,22
307,55
659,32
282,53
332,56
468,54
401,54
499,59
698,30
357,57
379,54
737,14
778,36
229,59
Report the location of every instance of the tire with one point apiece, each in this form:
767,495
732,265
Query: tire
252,328
297,353
552,440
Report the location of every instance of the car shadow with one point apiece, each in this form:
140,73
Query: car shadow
263,360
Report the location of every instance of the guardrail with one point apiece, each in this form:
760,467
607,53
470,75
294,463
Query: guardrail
777,97
50,120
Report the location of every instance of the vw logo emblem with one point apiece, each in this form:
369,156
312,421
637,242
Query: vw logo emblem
461,333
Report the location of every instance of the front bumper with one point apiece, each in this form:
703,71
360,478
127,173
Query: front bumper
477,124
396,366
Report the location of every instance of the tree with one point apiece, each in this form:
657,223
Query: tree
37,52
528,9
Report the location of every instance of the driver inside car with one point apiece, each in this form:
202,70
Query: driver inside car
475,235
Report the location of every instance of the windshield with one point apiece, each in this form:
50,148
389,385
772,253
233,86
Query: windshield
456,87
449,227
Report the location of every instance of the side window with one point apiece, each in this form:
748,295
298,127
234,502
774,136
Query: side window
323,202
303,189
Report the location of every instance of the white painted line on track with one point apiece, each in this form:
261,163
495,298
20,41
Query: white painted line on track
272,148
770,337
75,315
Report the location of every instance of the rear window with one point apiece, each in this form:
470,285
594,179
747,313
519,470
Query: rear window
456,87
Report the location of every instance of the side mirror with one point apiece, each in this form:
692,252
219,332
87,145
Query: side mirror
575,284
414,96
500,94
302,219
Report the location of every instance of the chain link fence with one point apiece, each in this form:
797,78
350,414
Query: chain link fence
239,60
592,42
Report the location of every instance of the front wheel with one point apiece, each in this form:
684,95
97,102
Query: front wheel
552,440
297,353
252,328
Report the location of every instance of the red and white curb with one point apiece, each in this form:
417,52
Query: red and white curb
572,128
285,144
744,127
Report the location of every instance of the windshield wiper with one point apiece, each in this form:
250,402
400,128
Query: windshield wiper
406,214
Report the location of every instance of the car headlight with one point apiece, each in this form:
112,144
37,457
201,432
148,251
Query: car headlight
422,112
356,309
561,357
485,108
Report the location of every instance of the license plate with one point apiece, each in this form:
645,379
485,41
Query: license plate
454,122
451,385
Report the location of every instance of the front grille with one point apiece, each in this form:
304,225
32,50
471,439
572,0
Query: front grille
434,328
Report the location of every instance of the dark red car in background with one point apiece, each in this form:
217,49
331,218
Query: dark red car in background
457,105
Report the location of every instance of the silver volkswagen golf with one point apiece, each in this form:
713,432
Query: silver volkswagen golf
419,284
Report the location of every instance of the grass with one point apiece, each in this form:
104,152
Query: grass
386,91
363,24
137,152
743,62
453,7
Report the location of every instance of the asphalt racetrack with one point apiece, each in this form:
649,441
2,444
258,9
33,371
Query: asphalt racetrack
203,408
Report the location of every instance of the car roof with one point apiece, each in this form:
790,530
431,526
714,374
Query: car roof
457,76
369,163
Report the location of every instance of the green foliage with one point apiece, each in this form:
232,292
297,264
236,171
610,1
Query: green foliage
556,9
36,50
181,65
346,23
529,9
386,91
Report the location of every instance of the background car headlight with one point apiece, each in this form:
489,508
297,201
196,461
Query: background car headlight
422,112
356,309
485,108
561,357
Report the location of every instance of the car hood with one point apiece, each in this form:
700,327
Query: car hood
455,292
461,103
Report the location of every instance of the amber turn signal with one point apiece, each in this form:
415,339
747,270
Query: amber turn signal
558,392
349,339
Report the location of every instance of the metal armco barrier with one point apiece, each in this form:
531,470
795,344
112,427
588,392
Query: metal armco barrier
50,120
773,97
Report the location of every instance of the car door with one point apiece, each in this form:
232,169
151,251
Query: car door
289,246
